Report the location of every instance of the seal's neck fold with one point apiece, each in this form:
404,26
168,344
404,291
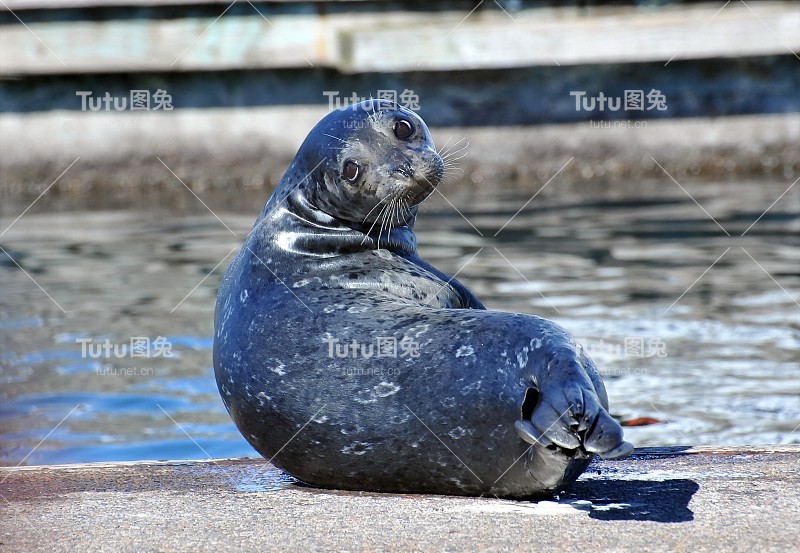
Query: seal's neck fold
298,227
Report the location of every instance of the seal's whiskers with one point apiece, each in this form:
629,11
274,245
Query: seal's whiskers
450,157
380,217
373,209
440,150
455,155
446,152
386,220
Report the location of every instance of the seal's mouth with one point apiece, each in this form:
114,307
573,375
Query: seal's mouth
425,189
405,184
418,184
413,190
404,193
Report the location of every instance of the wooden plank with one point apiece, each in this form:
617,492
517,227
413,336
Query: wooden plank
14,5
170,45
488,40
400,41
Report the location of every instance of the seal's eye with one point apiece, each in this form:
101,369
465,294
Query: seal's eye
403,129
352,170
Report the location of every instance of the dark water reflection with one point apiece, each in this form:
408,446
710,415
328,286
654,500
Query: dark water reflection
719,362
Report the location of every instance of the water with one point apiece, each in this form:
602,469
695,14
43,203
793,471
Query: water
718,364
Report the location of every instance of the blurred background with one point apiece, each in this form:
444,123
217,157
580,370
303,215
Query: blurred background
628,169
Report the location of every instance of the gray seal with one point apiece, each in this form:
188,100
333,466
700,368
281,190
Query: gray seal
351,363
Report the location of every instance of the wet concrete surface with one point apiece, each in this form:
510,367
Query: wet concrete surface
660,499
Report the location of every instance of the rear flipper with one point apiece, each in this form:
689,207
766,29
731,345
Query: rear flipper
566,423
562,446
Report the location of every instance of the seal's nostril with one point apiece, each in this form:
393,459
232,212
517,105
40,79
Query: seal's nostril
402,170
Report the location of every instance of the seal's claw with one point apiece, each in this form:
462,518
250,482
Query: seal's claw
606,436
555,428
528,433
622,450
591,407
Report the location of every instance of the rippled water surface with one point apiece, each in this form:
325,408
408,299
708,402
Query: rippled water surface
693,324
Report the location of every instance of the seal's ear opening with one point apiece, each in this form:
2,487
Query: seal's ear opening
529,403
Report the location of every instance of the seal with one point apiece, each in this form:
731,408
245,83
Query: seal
351,363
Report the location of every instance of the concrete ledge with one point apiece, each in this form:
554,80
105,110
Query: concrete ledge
661,499
235,156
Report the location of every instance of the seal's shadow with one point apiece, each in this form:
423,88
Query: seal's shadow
656,501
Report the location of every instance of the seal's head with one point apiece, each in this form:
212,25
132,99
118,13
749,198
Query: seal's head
369,161
354,184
